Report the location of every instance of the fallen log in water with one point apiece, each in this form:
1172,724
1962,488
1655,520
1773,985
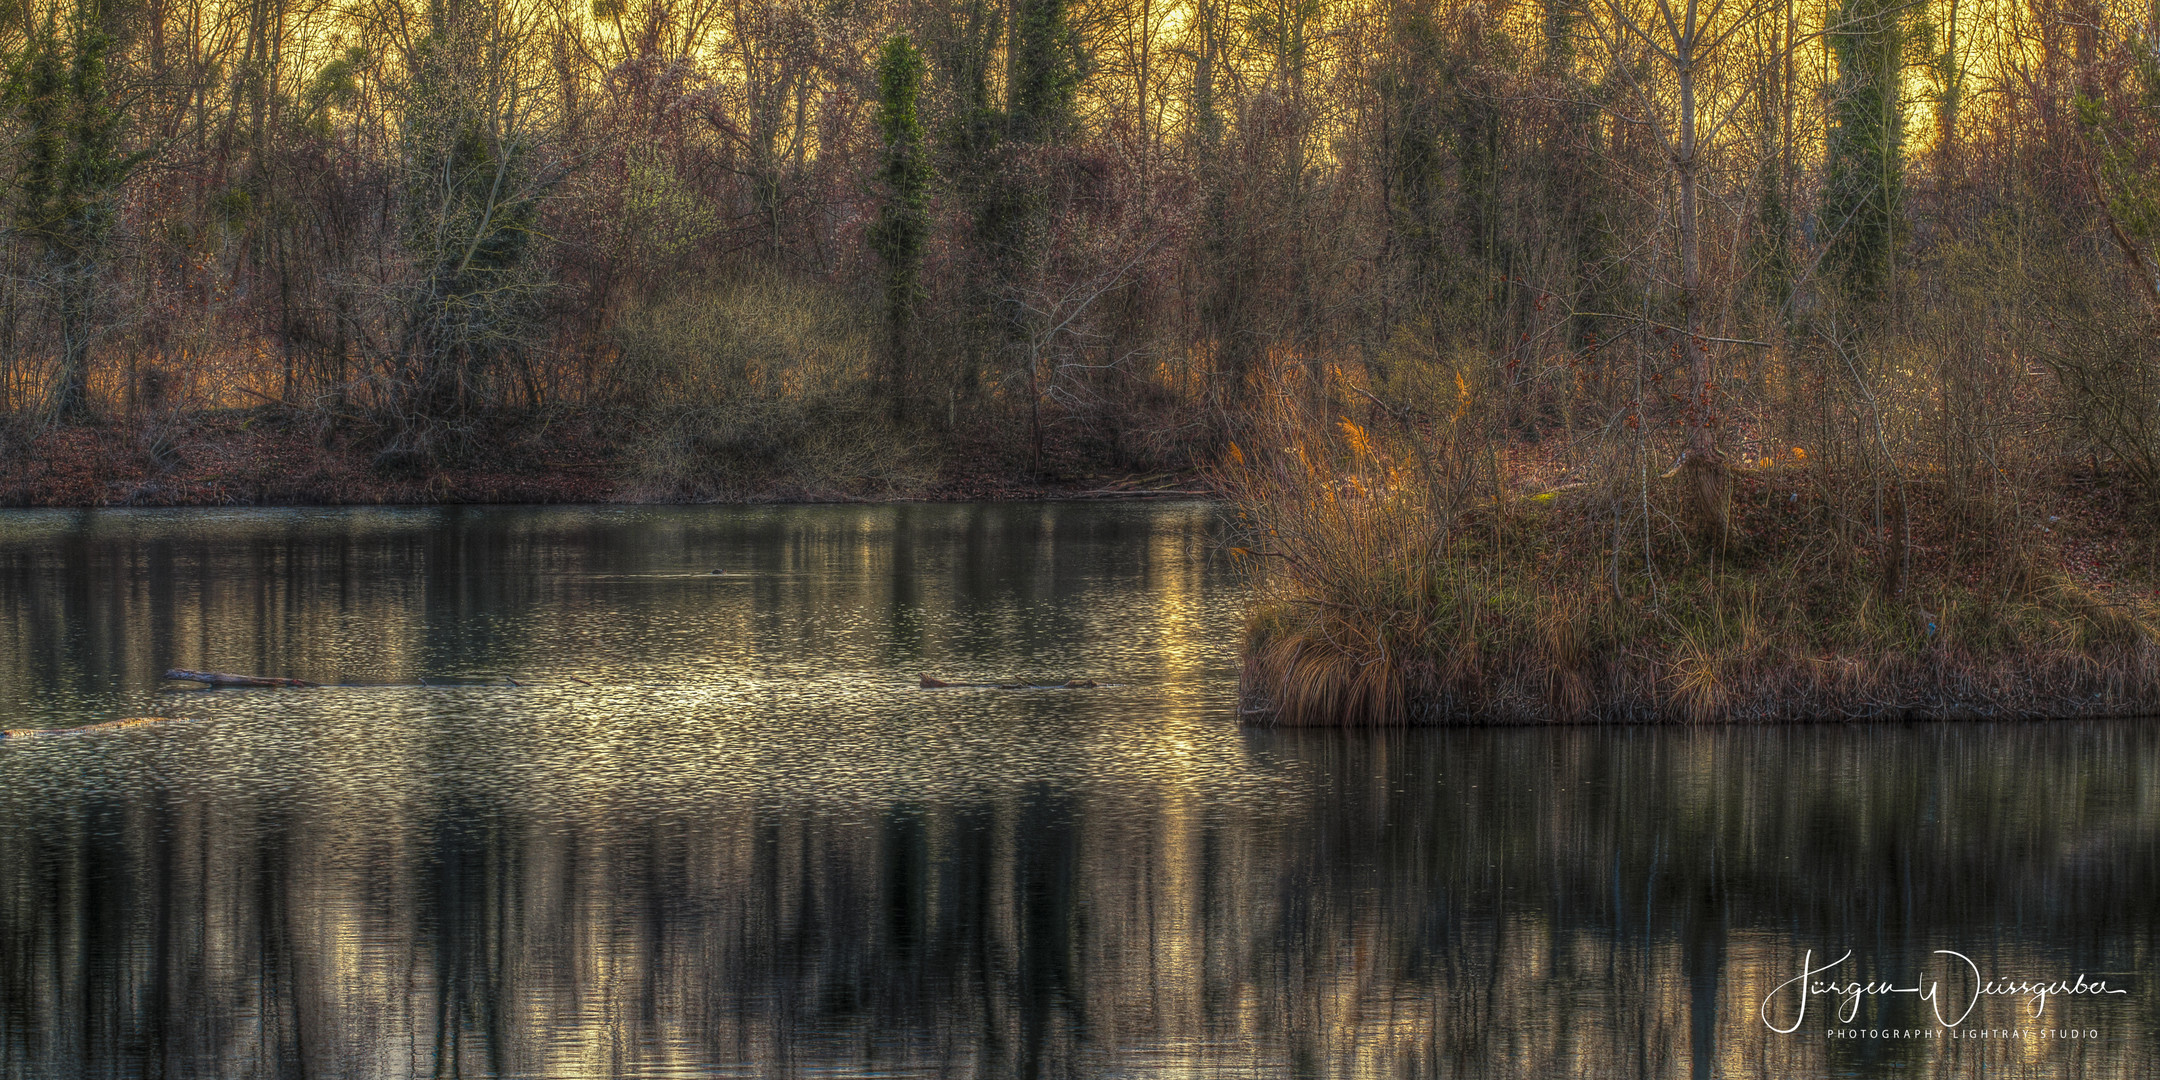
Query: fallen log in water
932,683
109,725
219,678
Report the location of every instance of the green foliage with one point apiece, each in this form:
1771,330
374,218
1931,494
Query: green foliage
1560,19
961,39
1770,245
1863,200
40,88
1940,58
2130,187
961,43
471,203
70,176
1475,134
1413,90
1048,65
903,222
97,166
669,216
900,79
336,84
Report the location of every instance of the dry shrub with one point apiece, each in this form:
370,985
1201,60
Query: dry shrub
1342,526
2100,348
1564,635
1394,585
758,383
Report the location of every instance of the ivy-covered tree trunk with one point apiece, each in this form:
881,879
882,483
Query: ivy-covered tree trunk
1046,71
903,221
69,184
961,40
1863,202
1412,91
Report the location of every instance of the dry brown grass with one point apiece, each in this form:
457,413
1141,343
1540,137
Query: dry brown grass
1391,590
758,386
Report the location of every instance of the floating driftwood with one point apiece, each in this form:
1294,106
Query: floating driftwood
109,725
932,683
219,678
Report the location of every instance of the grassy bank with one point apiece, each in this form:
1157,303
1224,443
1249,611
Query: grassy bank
1402,581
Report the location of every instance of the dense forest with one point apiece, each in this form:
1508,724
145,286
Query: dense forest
1869,287
734,223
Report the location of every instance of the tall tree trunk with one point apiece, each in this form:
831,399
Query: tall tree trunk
1701,443
71,393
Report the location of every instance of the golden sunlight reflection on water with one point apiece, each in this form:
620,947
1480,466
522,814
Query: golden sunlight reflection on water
719,831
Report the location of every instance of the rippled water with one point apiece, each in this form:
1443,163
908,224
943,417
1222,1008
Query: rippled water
715,828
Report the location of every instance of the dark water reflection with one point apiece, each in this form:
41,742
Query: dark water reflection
750,847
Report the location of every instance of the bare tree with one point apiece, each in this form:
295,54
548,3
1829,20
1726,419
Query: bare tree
1691,94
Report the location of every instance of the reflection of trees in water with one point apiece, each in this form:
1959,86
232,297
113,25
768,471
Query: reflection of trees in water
1462,903
1630,897
93,607
559,897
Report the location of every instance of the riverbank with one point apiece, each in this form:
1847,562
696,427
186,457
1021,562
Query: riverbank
1530,601
265,458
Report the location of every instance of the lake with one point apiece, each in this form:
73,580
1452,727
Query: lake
654,792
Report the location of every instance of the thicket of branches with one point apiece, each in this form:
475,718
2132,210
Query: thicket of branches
1903,236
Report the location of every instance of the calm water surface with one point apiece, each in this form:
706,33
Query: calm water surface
718,830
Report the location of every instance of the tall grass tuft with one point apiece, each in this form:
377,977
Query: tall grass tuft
1401,577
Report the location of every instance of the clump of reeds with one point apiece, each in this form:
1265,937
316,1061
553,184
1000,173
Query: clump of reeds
1400,578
